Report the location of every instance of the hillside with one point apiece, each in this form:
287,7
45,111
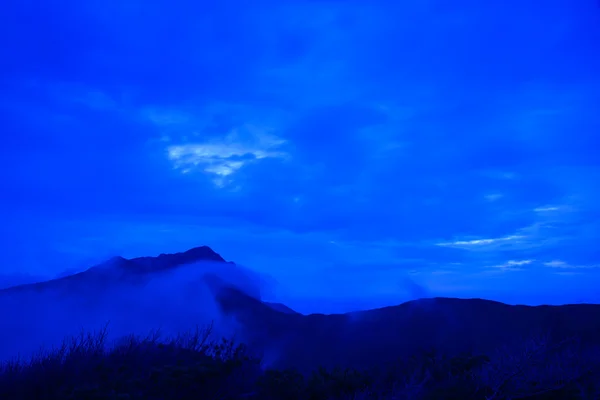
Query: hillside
433,346
355,339
120,268
372,337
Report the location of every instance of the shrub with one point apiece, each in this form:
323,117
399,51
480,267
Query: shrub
193,366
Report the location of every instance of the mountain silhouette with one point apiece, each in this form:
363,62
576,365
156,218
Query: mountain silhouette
374,337
357,339
120,268
117,270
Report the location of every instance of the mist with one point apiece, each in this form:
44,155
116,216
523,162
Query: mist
172,302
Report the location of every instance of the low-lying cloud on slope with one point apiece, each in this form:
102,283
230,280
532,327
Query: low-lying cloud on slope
172,301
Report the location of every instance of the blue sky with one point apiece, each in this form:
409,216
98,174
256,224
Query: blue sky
347,148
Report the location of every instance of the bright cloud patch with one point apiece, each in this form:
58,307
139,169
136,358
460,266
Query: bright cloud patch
513,265
222,158
559,264
483,244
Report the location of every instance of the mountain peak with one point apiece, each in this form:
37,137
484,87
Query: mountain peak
168,261
126,267
202,253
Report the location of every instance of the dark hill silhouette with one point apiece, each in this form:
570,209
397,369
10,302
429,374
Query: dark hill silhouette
375,337
281,307
357,339
166,261
119,269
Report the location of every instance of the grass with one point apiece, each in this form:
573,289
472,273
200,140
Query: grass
195,366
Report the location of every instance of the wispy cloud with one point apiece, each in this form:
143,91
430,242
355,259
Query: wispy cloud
558,264
484,244
225,157
512,265
166,118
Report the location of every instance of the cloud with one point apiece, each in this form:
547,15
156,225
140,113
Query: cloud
166,118
513,265
346,134
477,244
224,158
175,301
563,265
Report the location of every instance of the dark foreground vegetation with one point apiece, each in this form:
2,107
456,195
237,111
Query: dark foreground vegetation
194,366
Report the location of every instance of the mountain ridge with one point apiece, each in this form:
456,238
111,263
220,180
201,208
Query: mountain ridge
360,338
371,337
122,267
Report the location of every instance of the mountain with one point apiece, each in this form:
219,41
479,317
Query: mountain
167,261
280,307
8,280
358,339
120,268
375,337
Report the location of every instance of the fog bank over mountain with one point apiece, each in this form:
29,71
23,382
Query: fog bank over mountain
174,298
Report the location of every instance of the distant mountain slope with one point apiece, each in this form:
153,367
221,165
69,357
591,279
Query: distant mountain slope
359,339
9,280
373,337
122,268
166,261
281,307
